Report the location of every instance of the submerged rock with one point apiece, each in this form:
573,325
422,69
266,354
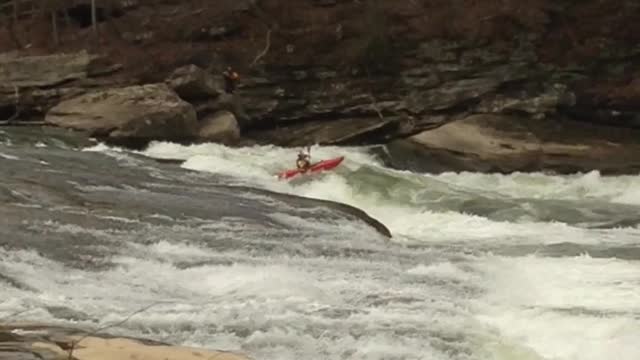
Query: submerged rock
29,341
343,209
139,112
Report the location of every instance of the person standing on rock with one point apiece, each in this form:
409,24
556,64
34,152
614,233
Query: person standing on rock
230,78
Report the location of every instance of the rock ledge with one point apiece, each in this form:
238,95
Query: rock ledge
44,342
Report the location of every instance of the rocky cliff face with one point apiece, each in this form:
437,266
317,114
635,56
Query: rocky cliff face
362,72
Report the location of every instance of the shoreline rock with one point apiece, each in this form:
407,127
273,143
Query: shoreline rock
506,144
356,213
49,342
221,127
347,85
152,112
193,83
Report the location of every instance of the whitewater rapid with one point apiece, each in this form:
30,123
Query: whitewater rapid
559,306
480,266
429,207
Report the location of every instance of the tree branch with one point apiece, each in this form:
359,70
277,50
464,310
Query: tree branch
75,343
374,102
265,51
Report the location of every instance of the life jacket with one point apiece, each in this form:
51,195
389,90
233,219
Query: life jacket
302,163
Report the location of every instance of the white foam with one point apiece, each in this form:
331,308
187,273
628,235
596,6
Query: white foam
9,157
576,308
443,270
177,250
218,165
103,148
391,301
262,162
118,218
280,303
256,166
431,226
589,186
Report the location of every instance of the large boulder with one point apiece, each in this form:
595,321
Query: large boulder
220,127
194,83
136,112
502,143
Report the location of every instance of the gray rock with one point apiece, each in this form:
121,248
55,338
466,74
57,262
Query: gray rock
150,111
193,83
501,143
543,103
220,127
34,84
47,70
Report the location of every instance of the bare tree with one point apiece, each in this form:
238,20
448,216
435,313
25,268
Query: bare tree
54,27
265,51
271,26
10,25
94,21
49,8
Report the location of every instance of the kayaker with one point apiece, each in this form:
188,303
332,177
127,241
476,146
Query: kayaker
230,78
304,160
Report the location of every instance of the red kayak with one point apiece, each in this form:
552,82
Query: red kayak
314,168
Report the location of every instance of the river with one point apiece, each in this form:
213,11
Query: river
480,266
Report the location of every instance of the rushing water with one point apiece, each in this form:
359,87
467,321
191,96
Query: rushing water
521,266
